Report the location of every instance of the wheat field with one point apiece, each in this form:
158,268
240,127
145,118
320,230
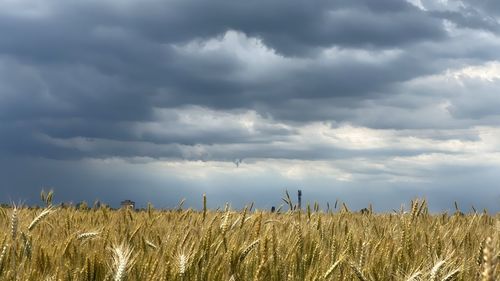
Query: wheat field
56,243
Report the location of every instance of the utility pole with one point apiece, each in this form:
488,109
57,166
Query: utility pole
299,193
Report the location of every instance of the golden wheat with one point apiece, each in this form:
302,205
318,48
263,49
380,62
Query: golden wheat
246,245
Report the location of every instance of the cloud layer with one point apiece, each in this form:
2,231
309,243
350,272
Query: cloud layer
392,99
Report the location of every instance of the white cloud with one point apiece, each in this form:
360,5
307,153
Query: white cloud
487,72
307,152
342,55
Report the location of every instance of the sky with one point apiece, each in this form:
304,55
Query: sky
157,100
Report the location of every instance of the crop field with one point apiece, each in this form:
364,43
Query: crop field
56,243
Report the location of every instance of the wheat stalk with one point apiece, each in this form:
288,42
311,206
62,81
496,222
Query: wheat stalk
150,244
121,259
2,254
489,261
435,270
451,276
225,220
332,268
38,218
357,271
14,223
248,249
182,263
87,235
415,276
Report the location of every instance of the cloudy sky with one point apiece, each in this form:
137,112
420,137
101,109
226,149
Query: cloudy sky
156,100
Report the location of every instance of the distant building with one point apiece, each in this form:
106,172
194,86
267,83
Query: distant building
128,204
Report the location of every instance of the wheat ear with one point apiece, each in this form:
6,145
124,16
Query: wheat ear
121,258
87,235
435,270
38,218
332,268
14,222
489,261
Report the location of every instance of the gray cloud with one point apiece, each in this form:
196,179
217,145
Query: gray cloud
329,81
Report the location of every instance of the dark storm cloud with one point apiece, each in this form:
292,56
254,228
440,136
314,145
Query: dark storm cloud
284,25
94,30
101,65
148,81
